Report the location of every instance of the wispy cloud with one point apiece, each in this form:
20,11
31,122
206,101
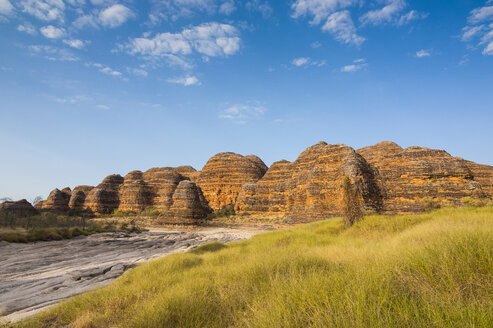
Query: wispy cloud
47,10
423,53
243,113
480,28
71,100
75,43
52,53
185,81
357,65
105,69
341,26
52,32
27,28
208,40
385,14
306,61
103,107
261,6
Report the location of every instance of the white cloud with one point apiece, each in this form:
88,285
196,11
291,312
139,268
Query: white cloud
105,69
341,26
300,61
75,43
357,65
306,61
6,7
52,32
27,28
72,100
209,39
46,10
104,107
243,113
319,9
488,51
109,71
469,32
261,6
481,14
137,71
227,8
422,53
411,16
85,21
115,15
316,45
385,14
53,53
186,81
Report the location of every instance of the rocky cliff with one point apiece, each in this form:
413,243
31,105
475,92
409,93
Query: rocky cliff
388,178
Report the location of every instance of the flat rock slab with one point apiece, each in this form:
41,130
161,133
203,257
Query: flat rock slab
36,275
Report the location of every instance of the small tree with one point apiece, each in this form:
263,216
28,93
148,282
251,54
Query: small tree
36,200
351,205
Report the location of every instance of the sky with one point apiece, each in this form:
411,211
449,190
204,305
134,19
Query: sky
90,88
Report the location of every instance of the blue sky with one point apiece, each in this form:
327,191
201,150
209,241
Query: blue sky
94,87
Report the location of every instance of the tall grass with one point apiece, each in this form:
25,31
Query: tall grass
430,270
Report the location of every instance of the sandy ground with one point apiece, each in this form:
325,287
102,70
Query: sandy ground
37,275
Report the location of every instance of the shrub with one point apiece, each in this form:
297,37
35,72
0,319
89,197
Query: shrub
351,205
430,204
151,212
225,211
474,202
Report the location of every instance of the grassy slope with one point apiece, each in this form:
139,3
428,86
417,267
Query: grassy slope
432,270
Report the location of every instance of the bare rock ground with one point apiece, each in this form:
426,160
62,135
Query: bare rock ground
36,275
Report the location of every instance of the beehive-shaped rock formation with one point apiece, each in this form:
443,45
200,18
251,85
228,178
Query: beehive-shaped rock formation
223,176
310,187
484,175
407,176
105,198
56,202
21,208
135,194
188,202
78,197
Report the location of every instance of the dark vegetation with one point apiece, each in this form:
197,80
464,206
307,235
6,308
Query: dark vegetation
50,226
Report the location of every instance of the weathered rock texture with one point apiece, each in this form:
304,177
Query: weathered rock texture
18,209
104,199
310,187
389,179
57,201
78,197
223,176
484,175
189,202
406,176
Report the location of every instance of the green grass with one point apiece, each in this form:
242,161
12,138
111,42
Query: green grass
430,270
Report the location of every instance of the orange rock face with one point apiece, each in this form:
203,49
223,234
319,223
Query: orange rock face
57,201
407,176
223,176
310,187
484,175
78,197
104,198
188,202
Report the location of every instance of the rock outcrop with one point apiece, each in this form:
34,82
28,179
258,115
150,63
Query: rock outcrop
21,208
409,175
135,194
223,176
484,175
188,202
56,202
105,198
78,197
310,187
